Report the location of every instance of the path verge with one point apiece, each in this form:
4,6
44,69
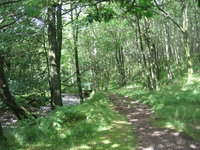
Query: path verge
149,136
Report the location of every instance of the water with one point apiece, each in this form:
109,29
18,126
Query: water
8,118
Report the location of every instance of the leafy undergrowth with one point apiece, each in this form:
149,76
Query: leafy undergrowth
92,125
176,106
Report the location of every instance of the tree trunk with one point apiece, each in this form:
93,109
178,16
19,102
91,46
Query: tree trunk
2,137
153,66
7,97
146,73
120,65
184,30
55,42
59,39
168,53
75,39
186,40
95,63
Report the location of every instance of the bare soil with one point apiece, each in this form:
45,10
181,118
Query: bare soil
150,137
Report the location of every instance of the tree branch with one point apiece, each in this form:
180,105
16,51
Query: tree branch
11,23
169,16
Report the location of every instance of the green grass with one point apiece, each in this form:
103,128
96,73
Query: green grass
93,125
176,106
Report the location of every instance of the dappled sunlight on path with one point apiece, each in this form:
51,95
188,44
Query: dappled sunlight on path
149,136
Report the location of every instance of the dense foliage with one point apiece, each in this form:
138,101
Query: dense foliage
143,48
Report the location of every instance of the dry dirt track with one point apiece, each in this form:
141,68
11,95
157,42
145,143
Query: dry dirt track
150,137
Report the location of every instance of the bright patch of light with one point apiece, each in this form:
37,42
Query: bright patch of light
130,87
104,128
81,147
115,145
149,148
121,122
106,142
63,135
195,92
193,146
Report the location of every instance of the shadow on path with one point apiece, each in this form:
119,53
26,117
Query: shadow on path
150,137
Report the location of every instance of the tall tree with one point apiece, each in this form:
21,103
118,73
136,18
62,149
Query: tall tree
55,45
184,31
75,31
119,56
146,72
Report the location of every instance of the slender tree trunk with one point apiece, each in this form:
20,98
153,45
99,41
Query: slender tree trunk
75,39
59,39
120,65
54,55
46,56
2,137
153,67
168,53
197,29
7,97
143,54
184,30
186,40
107,73
94,60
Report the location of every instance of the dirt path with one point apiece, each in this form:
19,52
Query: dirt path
150,137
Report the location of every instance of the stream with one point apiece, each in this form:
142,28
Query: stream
8,118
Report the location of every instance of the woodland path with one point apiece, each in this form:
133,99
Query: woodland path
148,136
